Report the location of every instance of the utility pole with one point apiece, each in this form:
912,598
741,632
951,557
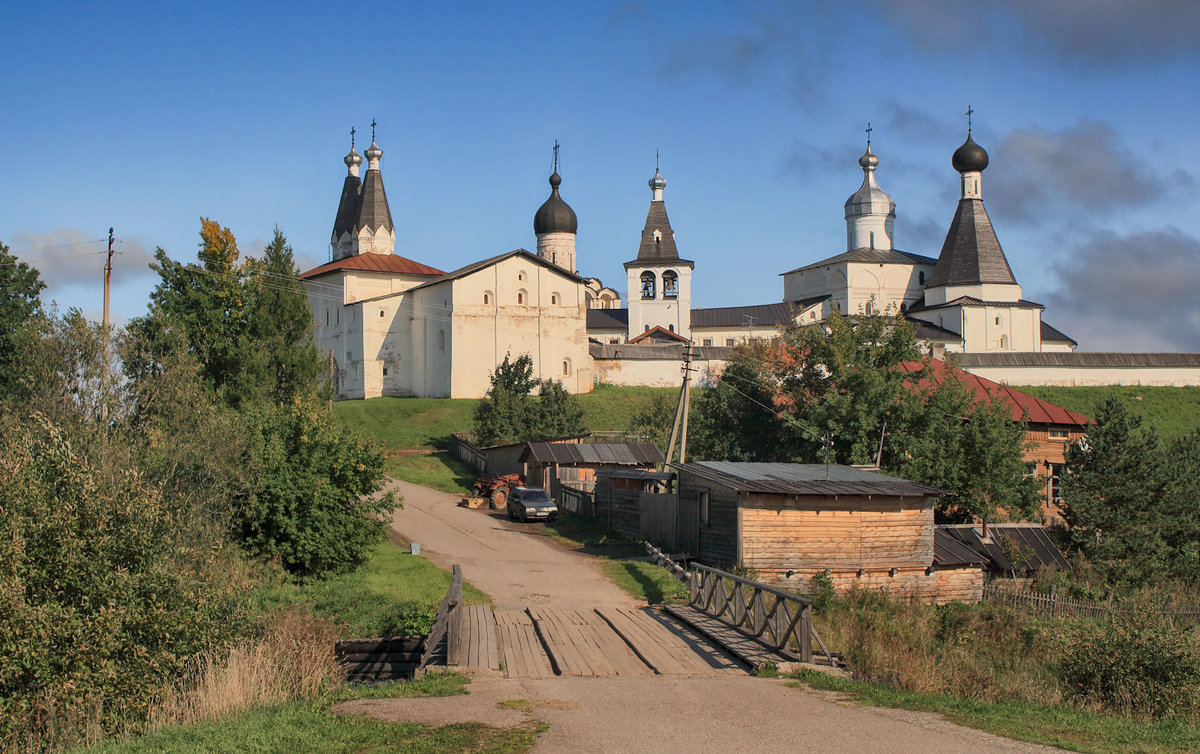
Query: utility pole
681,409
104,358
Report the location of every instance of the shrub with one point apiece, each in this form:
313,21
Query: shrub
1138,666
102,602
410,618
821,588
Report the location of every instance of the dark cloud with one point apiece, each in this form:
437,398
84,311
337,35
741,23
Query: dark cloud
1102,33
918,125
68,255
1130,293
1035,171
802,160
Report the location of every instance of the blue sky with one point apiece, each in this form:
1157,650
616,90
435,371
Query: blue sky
148,116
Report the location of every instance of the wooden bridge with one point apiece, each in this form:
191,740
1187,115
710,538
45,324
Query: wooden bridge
722,630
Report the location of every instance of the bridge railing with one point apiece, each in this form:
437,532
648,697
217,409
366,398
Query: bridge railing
446,625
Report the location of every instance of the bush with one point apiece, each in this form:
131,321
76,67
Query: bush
410,618
1138,666
102,602
310,507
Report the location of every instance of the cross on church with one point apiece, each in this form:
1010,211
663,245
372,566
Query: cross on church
352,137
868,133
556,155
372,130
970,112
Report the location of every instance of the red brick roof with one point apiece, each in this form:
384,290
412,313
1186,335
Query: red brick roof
393,263
1023,405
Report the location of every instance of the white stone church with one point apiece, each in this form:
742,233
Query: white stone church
395,326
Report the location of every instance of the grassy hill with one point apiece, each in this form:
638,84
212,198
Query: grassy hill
1171,411
415,431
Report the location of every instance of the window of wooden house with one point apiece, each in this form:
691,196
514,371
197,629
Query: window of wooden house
704,518
1054,486
1059,433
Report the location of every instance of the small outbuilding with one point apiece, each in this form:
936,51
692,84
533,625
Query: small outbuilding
550,464
790,522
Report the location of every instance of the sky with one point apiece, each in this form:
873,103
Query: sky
146,117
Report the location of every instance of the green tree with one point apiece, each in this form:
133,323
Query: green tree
853,389
1179,513
1112,492
20,290
654,419
507,413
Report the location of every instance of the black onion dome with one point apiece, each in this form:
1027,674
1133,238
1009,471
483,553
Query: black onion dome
555,216
970,157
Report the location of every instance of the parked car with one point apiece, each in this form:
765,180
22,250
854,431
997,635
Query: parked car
531,503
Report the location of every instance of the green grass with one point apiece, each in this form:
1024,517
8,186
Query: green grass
385,597
1171,411
647,581
310,726
399,423
1066,727
611,408
439,470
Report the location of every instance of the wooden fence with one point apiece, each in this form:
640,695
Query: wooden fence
1051,604
465,451
446,626
779,619
577,501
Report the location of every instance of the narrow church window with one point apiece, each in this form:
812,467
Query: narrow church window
554,299
670,284
381,312
997,319
1004,342
647,284
647,329
487,297
327,318
671,328
921,277
520,297
869,308
385,372
566,367
520,276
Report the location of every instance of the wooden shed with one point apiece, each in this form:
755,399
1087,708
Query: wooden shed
549,465
789,522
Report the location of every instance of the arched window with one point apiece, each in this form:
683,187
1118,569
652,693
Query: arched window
521,276
487,297
381,313
553,299
671,328
670,284
997,319
521,296
1004,342
869,308
566,367
921,277
647,284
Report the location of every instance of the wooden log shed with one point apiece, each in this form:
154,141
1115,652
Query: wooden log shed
789,522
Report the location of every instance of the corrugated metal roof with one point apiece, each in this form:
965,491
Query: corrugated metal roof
593,453
1051,334
607,319
462,272
1029,541
656,352
805,479
949,552
658,476
1022,406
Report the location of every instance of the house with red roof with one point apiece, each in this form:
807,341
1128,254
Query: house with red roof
1052,429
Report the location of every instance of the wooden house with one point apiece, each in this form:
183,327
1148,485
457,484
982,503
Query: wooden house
1051,430
789,522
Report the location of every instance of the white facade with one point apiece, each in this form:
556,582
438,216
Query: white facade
659,296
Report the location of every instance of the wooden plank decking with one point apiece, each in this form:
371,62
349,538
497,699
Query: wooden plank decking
539,643
749,651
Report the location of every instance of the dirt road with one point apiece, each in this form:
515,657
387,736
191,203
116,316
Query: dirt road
513,567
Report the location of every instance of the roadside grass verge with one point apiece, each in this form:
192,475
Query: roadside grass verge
439,470
1172,411
624,564
394,594
311,726
1065,727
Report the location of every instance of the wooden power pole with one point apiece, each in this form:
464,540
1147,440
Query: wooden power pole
104,356
681,410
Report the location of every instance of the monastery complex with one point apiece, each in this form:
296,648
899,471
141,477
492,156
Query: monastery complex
400,327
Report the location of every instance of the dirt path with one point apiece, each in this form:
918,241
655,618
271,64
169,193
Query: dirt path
727,714
514,568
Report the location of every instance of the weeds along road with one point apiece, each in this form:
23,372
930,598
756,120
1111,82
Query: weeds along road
514,567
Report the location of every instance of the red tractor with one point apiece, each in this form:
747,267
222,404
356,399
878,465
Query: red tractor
495,488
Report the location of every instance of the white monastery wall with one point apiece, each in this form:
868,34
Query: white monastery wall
656,372
1073,376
